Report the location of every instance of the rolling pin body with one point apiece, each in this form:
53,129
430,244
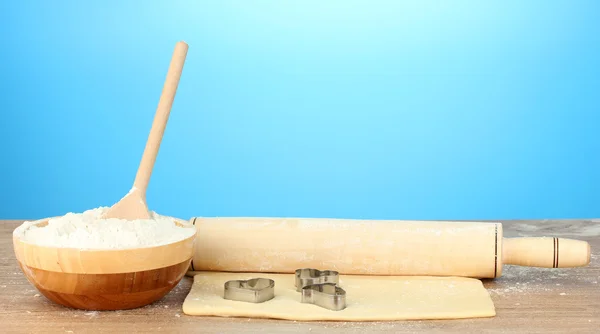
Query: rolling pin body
373,247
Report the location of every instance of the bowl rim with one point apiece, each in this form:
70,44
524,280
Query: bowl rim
103,260
183,224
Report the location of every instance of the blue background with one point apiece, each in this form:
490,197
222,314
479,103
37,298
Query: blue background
351,109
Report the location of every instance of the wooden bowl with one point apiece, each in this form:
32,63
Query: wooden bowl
105,279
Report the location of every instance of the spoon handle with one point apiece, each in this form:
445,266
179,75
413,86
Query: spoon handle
160,119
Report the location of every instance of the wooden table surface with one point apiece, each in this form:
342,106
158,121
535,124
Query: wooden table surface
531,300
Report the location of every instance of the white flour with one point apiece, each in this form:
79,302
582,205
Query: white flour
87,231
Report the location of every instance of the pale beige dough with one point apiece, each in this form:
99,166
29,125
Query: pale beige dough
369,298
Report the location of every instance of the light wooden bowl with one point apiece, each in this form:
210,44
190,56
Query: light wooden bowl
105,279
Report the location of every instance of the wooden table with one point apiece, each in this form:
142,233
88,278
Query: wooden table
532,300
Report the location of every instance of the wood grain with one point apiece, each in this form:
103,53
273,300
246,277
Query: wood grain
532,300
106,291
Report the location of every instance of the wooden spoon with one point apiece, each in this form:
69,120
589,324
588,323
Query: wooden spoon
133,205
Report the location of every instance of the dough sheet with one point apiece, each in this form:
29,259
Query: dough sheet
368,298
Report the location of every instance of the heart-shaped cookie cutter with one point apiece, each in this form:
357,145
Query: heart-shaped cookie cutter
326,295
310,276
255,290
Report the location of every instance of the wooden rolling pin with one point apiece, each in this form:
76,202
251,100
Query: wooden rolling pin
373,247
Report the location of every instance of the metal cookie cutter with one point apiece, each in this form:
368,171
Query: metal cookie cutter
326,295
255,290
309,276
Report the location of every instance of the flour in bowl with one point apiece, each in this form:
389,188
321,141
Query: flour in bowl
88,231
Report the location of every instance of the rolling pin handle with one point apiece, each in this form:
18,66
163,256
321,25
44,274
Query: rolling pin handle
546,252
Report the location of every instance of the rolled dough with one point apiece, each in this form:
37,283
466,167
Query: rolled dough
368,298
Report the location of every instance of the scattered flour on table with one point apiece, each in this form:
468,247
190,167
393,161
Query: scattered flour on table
88,231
